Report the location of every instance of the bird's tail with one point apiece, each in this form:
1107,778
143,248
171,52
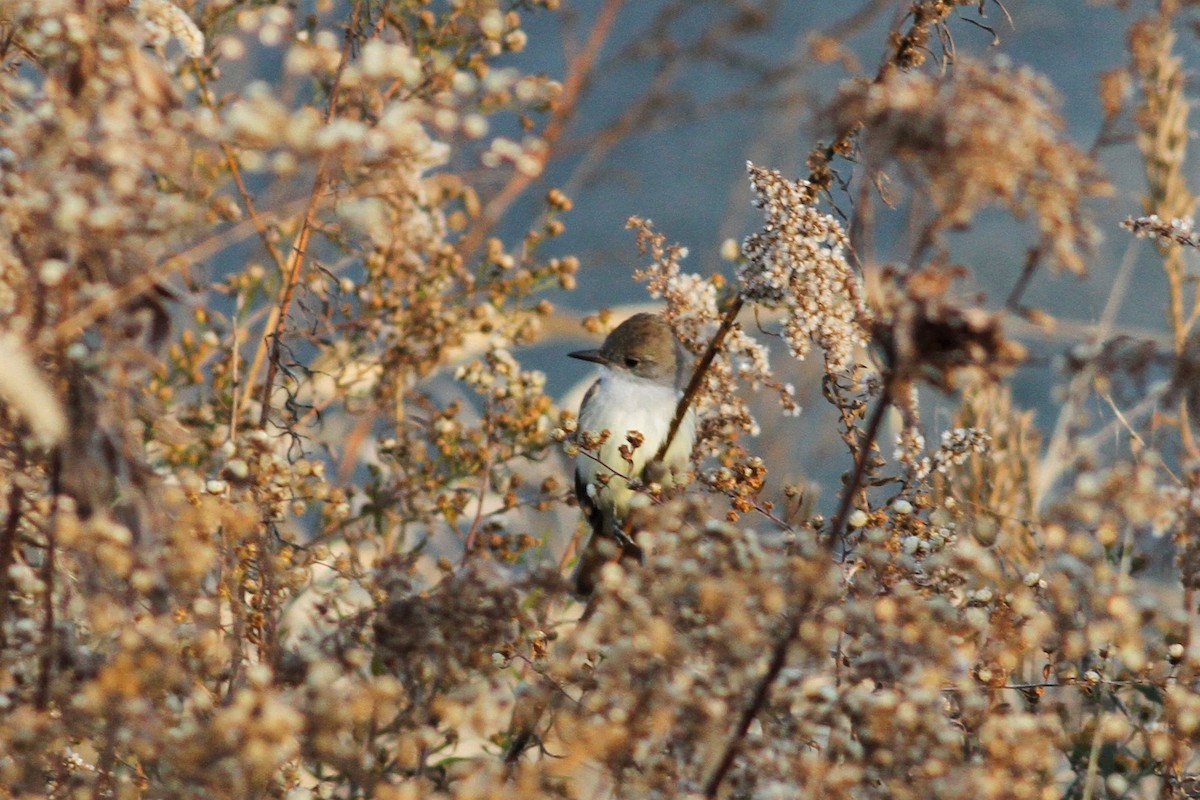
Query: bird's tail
607,542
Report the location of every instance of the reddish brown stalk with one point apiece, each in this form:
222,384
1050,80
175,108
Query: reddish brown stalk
75,324
295,261
294,265
834,533
46,658
8,540
573,85
484,488
264,235
697,380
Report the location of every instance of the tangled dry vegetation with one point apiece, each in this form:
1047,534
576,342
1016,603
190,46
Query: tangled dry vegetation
282,513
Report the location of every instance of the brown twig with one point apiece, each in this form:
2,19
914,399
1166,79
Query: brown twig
264,235
110,301
8,539
46,658
577,75
860,467
757,701
484,487
820,178
71,327
295,261
697,379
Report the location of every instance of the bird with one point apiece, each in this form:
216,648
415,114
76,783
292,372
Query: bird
643,371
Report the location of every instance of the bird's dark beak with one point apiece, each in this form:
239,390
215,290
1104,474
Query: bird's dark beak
593,356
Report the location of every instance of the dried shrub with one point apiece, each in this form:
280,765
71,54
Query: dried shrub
980,135
282,509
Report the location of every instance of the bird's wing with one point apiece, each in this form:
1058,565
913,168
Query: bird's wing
587,504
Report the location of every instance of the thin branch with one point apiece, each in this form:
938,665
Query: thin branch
8,539
573,86
264,234
761,692
299,250
235,171
1033,257
860,467
146,282
46,659
1057,455
697,379
485,486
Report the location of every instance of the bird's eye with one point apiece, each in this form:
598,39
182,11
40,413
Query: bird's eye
631,362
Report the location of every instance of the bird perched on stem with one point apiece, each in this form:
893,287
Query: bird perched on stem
643,370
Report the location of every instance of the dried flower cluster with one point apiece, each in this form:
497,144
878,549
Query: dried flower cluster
982,134
956,446
693,312
798,262
924,334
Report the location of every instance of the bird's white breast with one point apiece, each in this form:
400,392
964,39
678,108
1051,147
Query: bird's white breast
621,403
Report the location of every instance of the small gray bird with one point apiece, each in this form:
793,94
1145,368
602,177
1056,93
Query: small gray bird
643,371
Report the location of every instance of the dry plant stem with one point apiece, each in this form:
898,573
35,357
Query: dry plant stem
235,364
697,379
263,234
573,85
46,658
757,701
1058,450
1093,765
237,614
8,543
1035,256
295,261
209,246
1057,453
265,601
780,650
263,604
235,172
834,534
71,327
279,314
820,178
1122,420
108,760
484,487
260,227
